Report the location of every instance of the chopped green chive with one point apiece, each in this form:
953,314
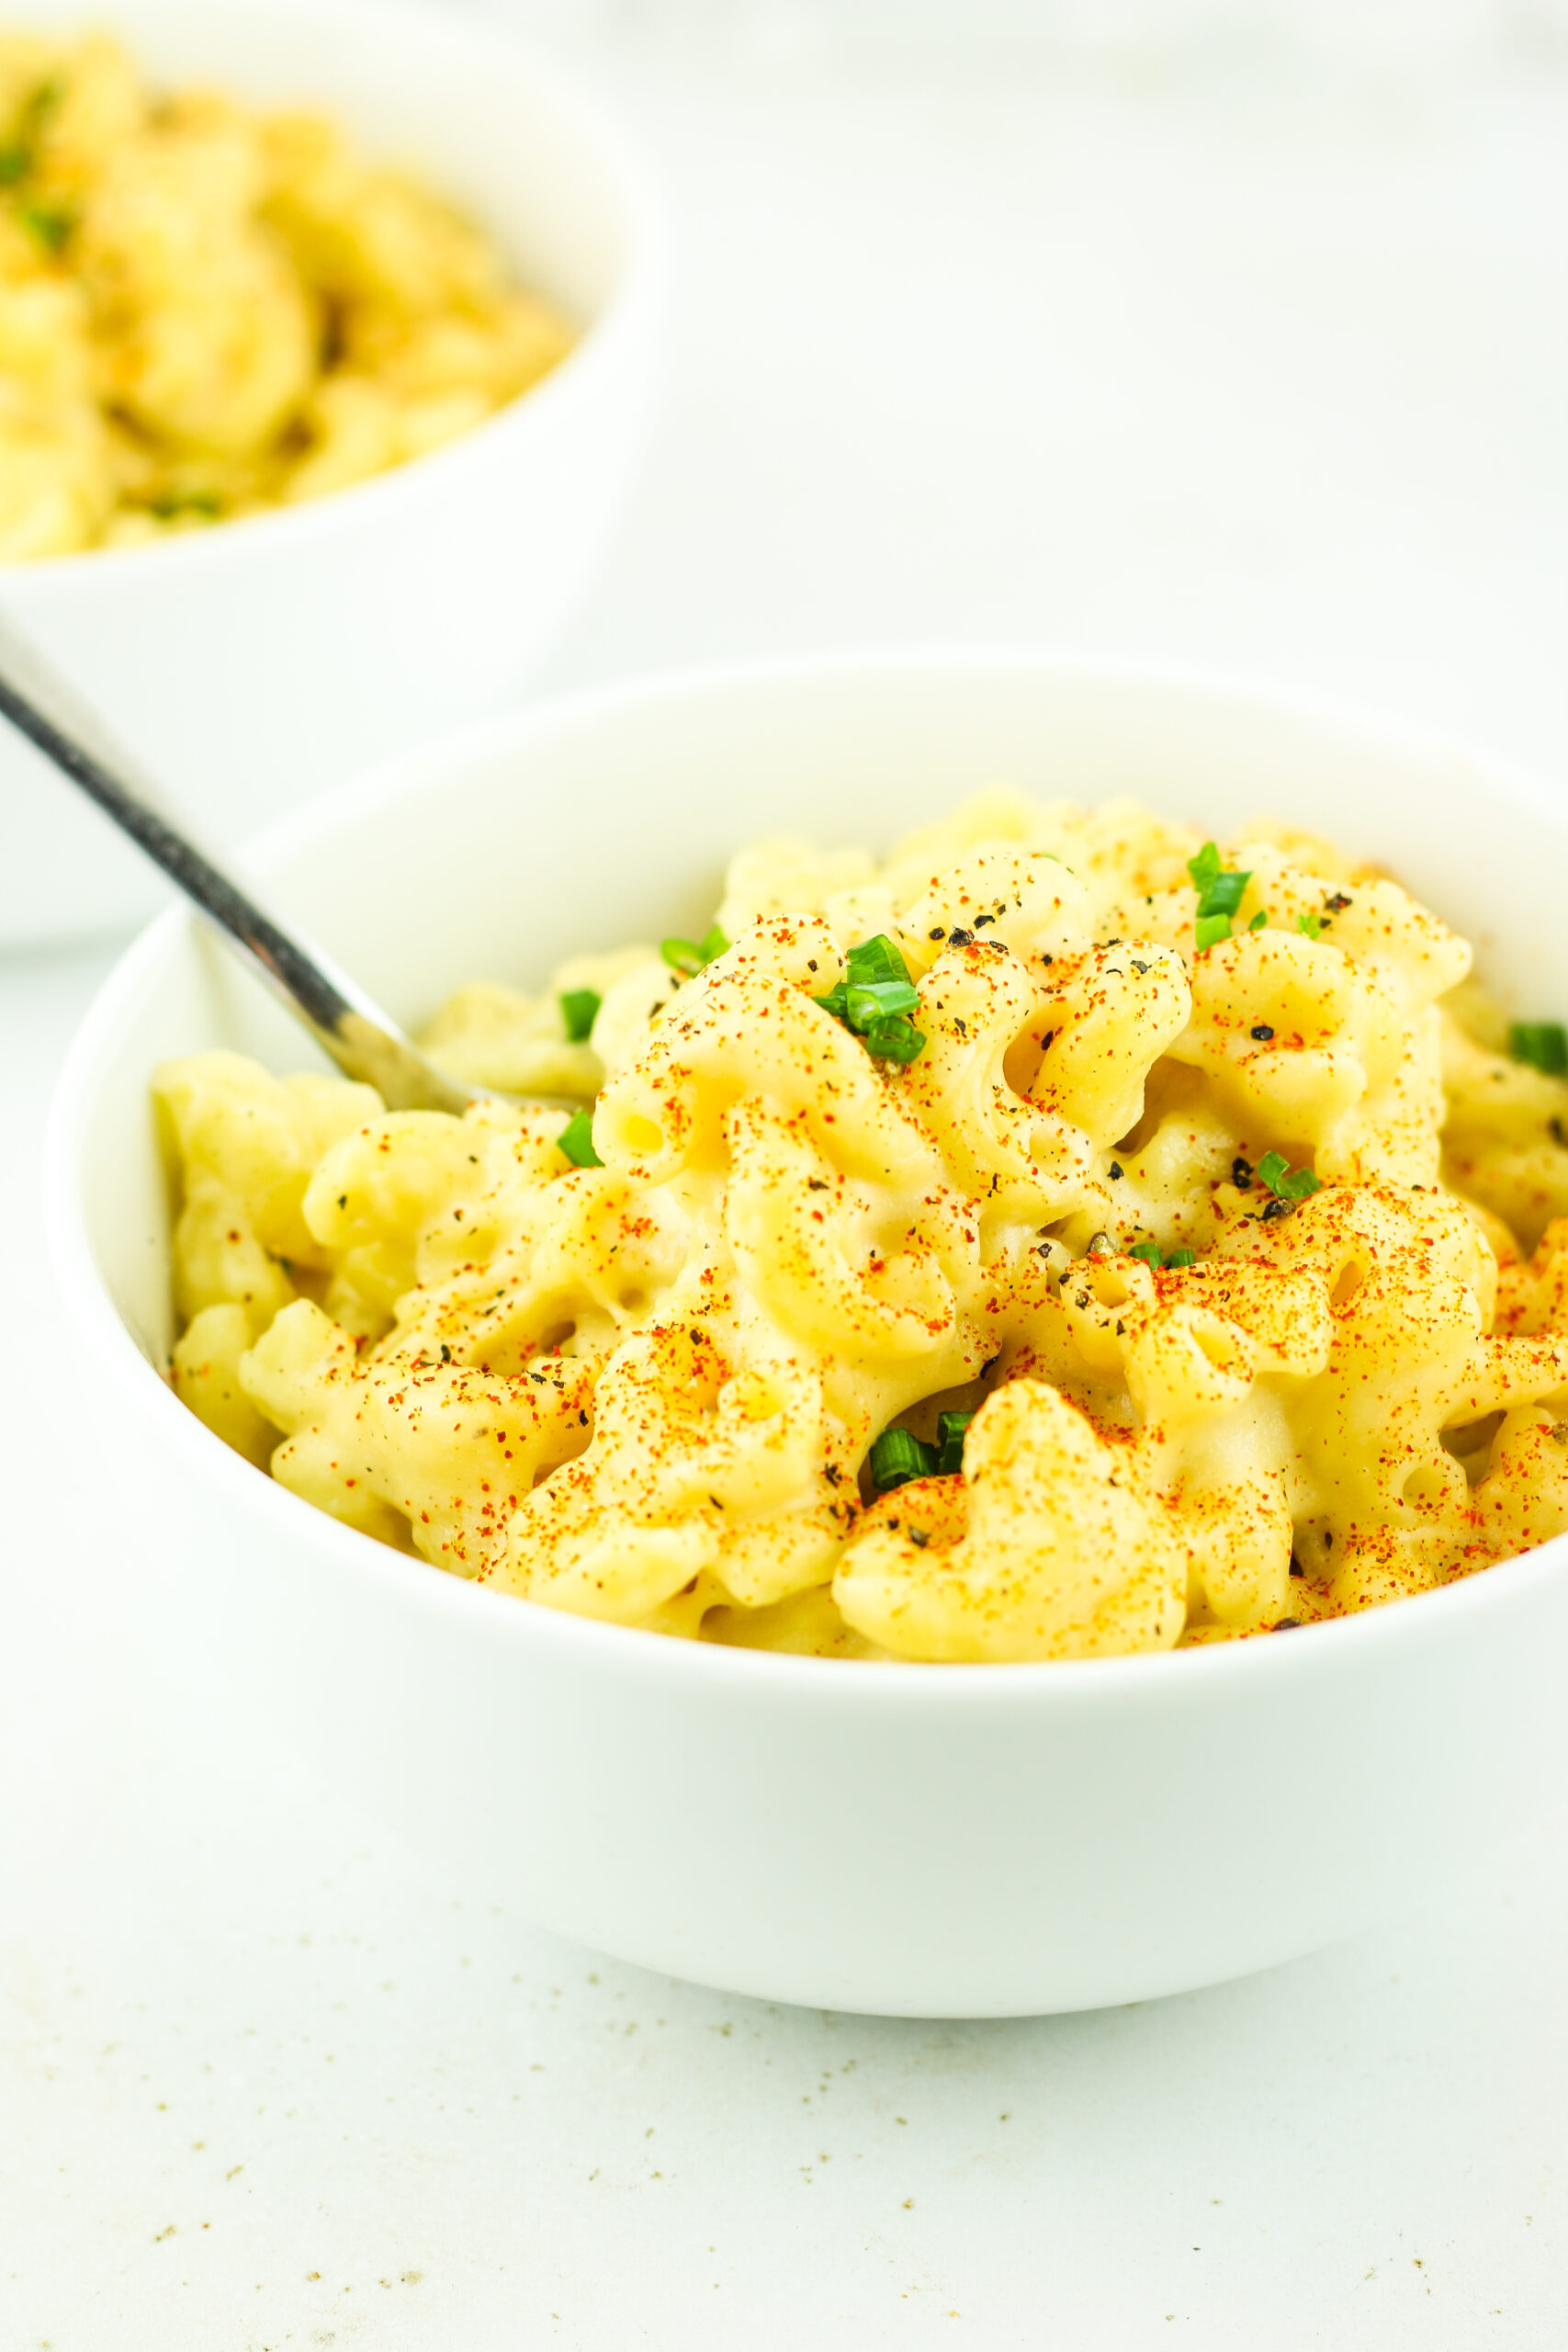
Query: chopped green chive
1220,893
899,1455
579,1012
867,1003
1259,920
1274,1169
170,502
950,1429
1149,1251
896,1456
896,1041
874,959
874,998
1542,1044
43,101
19,158
576,1141
1309,926
50,223
687,956
1224,894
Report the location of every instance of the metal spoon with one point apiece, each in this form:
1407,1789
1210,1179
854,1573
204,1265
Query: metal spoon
355,1033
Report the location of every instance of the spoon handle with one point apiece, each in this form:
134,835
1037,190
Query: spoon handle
351,1030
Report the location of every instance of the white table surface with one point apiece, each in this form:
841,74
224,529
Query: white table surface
1256,363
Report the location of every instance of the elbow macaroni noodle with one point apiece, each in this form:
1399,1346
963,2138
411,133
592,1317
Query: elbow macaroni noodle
205,312
1208,1397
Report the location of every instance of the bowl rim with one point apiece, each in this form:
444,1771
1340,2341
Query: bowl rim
621,320
1175,1675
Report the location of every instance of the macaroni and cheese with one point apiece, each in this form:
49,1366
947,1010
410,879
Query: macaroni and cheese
206,311
1066,1236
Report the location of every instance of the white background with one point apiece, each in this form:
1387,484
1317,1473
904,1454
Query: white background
1238,334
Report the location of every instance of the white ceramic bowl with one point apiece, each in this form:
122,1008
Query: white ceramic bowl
253,663
955,1840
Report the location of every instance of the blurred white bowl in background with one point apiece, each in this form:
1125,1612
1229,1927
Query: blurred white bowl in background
252,664
937,1840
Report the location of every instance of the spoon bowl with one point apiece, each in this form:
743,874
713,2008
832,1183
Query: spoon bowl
951,1841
